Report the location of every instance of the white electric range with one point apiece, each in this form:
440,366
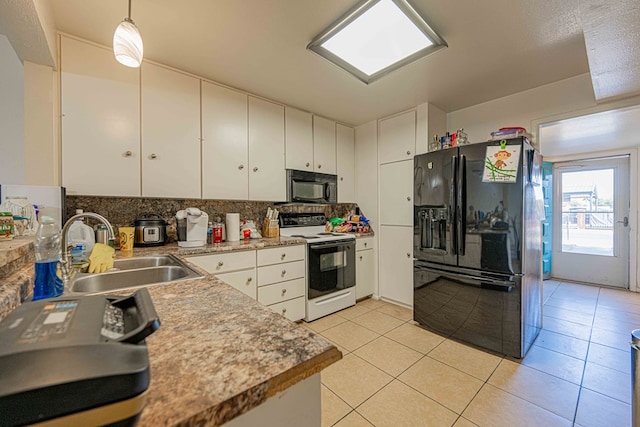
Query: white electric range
330,262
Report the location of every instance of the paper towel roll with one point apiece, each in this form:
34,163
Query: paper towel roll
232,223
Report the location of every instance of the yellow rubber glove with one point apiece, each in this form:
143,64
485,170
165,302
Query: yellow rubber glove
101,258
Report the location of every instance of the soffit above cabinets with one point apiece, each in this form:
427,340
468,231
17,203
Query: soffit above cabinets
496,48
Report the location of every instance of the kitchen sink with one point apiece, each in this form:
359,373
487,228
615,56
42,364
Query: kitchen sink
134,273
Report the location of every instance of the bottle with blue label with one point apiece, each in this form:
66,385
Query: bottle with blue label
81,239
47,283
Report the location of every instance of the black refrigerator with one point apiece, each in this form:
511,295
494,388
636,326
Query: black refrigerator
478,244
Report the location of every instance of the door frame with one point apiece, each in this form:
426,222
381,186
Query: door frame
634,196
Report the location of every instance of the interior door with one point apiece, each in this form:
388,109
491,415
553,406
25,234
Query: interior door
591,221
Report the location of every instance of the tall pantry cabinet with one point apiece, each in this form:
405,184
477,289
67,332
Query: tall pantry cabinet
100,122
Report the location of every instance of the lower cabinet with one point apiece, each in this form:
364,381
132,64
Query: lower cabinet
364,268
396,264
275,276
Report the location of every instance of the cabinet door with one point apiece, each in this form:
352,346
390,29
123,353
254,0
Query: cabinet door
244,281
267,177
396,191
170,133
396,264
298,139
346,164
100,122
364,273
397,137
225,144
324,145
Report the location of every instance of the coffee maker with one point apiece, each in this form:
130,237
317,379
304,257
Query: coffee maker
192,227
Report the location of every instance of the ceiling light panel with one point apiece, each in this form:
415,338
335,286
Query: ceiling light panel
377,37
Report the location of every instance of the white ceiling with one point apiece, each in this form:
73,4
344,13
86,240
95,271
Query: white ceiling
496,48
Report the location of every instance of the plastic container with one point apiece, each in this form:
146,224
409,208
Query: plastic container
6,226
81,238
47,283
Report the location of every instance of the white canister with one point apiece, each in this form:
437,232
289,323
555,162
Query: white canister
232,226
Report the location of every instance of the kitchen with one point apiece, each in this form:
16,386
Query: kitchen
519,97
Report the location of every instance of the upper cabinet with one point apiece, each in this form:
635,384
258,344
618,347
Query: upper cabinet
170,133
100,122
324,145
346,163
397,137
225,144
267,177
299,139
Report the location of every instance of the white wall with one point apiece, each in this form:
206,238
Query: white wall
523,108
12,147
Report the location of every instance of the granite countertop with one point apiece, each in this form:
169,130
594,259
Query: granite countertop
218,352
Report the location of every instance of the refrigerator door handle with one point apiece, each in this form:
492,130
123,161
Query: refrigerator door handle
462,204
452,205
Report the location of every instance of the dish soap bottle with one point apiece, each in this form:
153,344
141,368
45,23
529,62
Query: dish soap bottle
81,239
47,283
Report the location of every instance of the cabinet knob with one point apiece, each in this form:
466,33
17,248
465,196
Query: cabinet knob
255,169
153,156
283,256
408,199
284,291
128,153
360,257
319,166
307,165
284,311
408,153
283,273
365,244
220,264
249,280
341,179
408,255
240,167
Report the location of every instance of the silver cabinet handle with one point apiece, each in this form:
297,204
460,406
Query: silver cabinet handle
408,153
365,244
307,165
341,179
284,311
249,280
360,257
284,291
128,153
408,255
153,156
284,272
220,264
319,166
241,167
283,256
408,199
255,169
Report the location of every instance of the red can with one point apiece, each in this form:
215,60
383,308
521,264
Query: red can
217,232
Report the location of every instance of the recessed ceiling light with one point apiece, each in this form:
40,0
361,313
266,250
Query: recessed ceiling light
377,37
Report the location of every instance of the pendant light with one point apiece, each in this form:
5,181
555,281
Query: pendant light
127,43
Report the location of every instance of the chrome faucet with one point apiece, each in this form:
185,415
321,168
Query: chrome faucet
65,263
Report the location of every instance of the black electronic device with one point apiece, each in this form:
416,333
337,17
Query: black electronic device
79,360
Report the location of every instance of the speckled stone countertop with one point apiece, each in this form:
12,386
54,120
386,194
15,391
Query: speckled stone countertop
218,352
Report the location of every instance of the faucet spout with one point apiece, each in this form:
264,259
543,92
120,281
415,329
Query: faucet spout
65,263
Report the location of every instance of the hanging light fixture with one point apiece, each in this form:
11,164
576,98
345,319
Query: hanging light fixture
127,43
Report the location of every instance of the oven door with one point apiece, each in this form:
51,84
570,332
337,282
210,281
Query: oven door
332,267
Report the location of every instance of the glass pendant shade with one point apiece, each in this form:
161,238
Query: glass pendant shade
127,44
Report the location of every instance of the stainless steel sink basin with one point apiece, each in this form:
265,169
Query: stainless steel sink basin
134,273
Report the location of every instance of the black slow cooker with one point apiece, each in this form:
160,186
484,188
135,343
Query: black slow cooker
151,230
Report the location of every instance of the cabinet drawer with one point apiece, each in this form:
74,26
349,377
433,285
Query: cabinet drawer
280,272
222,263
279,292
244,281
364,243
293,309
281,254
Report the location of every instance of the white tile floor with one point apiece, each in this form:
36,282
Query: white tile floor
396,374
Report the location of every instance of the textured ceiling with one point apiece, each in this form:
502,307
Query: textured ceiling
496,48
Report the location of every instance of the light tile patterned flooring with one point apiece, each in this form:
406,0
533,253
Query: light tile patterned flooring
396,374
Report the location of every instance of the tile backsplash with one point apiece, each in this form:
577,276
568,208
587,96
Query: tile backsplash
122,211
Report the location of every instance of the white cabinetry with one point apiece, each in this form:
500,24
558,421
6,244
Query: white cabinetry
267,177
324,145
100,122
346,164
281,280
299,139
364,267
237,269
397,137
396,263
170,133
396,191
225,149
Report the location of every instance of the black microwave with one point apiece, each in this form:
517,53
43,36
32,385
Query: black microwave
311,187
